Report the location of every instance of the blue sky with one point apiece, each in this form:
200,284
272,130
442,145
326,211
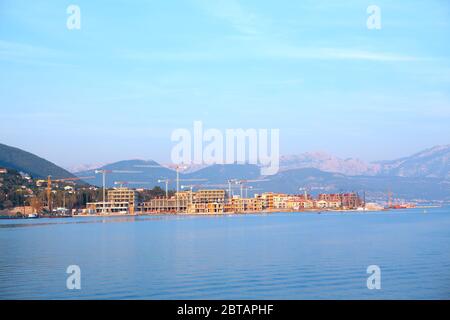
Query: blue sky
137,70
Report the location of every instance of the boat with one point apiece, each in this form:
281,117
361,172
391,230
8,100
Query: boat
32,216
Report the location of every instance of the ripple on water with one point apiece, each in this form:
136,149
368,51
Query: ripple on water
286,256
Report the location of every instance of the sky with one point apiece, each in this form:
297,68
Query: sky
135,71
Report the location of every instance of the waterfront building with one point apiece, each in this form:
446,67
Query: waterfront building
123,195
280,201
119,201
307,204
211,207
184,195
164,205
351,200
267,200
241,205
321,204
108,208
341,200
209,196
215,201
254,205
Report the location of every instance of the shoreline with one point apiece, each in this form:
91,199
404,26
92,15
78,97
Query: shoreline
118,215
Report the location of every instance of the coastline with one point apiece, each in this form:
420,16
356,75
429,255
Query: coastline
316,211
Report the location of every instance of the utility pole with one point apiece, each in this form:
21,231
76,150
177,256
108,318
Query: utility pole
364,199
166,181
178,186
230,196
190,194
389,199
49,193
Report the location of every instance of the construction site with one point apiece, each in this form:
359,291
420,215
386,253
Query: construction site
55,198
228,198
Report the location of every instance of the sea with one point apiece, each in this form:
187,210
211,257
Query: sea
332,255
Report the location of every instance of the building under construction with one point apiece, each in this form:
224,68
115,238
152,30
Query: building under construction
119,201
216,201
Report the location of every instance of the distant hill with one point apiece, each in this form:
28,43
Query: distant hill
424,175
146,173
220,173
326,162
431,163
290,181
376,187
20,160
135,174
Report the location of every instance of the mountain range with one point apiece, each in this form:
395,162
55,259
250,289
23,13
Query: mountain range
423,175
430,163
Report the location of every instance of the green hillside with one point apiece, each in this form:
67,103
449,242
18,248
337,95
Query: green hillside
20,160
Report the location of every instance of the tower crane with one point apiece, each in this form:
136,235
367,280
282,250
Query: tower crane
49,187
122,183
243,182
104,172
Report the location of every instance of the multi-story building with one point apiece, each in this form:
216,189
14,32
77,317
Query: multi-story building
351,200
280,201
242,205
209,196
108,208
267,200
212,207
184,195
207,201
321,204
202,201
164,205
120,201
123,195
254,205
341,200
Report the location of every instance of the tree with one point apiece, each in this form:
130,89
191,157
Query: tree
8,204
36,204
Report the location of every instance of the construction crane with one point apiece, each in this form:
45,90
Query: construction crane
122,183
104,172
245,181
177,169
49,187
251,188
167,181
192,186
390,199
305,191
190,194
230,182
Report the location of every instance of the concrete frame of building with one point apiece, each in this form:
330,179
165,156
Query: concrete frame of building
108,208
164,205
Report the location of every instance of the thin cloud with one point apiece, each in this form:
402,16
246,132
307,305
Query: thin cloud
289,52
30,54
264,51
257,32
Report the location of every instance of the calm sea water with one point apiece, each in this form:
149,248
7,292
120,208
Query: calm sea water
272,256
